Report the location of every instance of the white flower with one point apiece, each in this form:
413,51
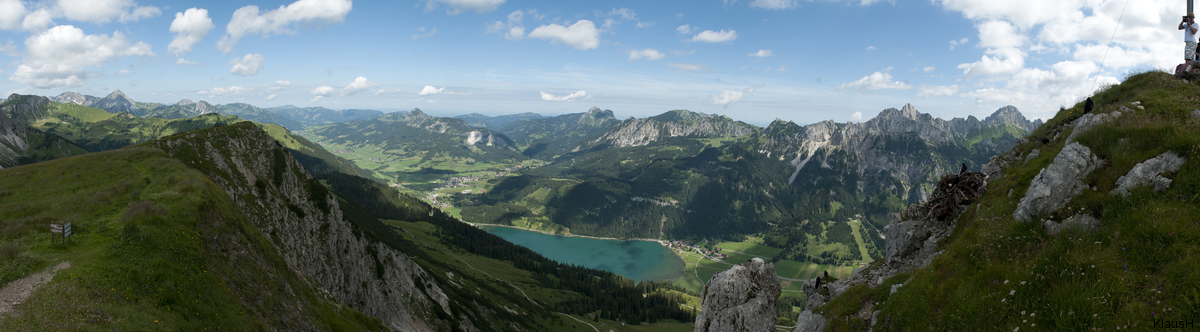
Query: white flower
1011,292
1022,282
1022,312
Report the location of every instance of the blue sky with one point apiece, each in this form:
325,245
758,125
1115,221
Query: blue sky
754,60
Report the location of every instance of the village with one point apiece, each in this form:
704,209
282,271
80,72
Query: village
682,245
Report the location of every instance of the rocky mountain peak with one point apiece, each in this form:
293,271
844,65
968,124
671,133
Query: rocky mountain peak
1008,115
416,111
117,94
596,113
740,299
185,101
117,102
75,97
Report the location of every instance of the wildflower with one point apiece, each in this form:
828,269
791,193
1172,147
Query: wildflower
1022,282
1011,292
1006,282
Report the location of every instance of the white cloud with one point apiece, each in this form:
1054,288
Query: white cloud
190,27
11,14
248,65
570,97
38,20
231,91
421,33
360,84
57,57
124,72
247,21
709,36
624,13
728,96
688,66
645,24
316,98
857,116
582,35
955,43
926,90
773,4
761,53
513,30
430,90
282,83
271,97
387,91
927,69
322,91
457,6
871,48
648,54
876,81
103,11
684,29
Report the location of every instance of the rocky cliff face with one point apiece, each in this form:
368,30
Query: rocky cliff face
897,151
75,97
740,299
117,102
305,223
638,132
21,144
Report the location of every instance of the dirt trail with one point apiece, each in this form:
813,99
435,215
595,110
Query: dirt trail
17,291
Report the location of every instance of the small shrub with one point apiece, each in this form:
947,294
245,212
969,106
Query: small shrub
9,251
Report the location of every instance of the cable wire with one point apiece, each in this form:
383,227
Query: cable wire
1110,40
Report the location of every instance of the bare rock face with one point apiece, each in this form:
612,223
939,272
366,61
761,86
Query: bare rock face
740,299
1148,173
487,138
810,322
1058,183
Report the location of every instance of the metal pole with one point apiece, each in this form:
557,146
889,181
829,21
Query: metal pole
1189,6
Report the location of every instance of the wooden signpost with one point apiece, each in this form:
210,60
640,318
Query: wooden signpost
60,231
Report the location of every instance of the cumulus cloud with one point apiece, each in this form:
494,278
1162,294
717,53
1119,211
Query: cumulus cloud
877,81
648,54
387,91
322,92
457,6
38,20
926,90
570,97
728,96
190,27
183,62
248,21
430,90
513,29
709,36
761,53
230,91
955,43
857,116
421,33
248,65
688,66
773,4
57,57
360,84
11,14
124,72
871,48
582,35
927,69
103,11
271,97
684,29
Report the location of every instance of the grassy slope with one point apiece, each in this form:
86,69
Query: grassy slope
1141,265
316,160
98,130
145,255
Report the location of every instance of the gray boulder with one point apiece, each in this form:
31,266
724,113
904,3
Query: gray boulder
1148,173
1080,221
810,322
740,299
1058,183
1091,120
1032,154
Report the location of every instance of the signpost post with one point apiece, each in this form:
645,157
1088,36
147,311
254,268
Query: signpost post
60,231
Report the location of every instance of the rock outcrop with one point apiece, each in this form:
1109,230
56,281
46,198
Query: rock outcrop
1148,173
1058,183
117,102
1080,221
740,299
306,224
488,138
638,132
75,97
810,322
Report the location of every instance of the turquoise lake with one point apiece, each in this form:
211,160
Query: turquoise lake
638,260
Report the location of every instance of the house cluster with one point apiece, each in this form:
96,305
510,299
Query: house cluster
455,181
681,245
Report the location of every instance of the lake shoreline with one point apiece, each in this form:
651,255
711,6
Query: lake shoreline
660,242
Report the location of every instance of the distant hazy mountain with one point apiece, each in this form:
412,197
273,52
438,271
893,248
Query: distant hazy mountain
117,102
551,137
313,116
496,122
75,97
416,134
183,109
256,114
